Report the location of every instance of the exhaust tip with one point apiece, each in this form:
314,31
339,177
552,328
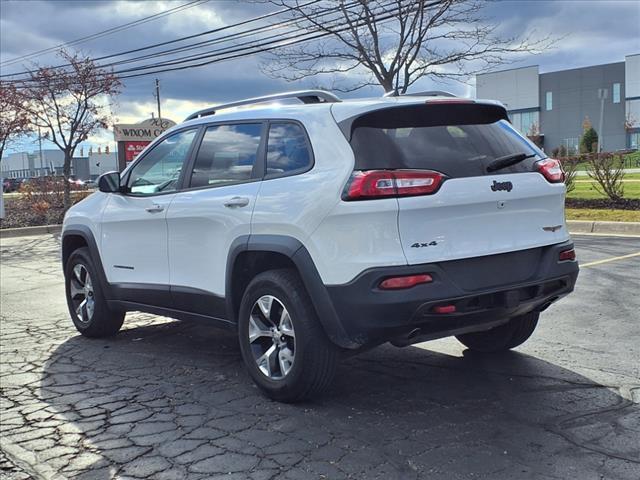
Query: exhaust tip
405,340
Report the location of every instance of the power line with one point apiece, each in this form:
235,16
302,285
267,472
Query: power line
268,46
242,47
177,40
226,38
103,33
208,32
256,46
235,36
268,40
222,39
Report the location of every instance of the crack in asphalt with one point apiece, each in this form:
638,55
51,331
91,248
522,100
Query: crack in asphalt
171,400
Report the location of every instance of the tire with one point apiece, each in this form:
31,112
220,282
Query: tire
300,366
94,319
504,337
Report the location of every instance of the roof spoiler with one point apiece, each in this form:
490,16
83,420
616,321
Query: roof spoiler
428,93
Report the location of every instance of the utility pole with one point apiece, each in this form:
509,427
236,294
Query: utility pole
158,98
40,150
603,93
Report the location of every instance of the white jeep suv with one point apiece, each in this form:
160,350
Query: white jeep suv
325,227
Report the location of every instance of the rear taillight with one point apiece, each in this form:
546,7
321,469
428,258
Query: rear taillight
551,169
370,184
567,255
408,281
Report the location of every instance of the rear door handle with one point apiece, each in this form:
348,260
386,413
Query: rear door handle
236,202
155,208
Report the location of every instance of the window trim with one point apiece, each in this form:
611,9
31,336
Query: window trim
179,186
257,173
298,171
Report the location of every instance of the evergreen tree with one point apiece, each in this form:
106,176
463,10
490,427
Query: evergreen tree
589,141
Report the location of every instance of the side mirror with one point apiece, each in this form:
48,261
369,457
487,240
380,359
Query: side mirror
109,182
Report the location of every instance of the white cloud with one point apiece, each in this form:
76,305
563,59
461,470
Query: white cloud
199,17
174,109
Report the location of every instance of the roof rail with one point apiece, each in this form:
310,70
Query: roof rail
429,93
305,96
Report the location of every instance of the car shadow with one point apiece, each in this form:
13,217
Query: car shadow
172,400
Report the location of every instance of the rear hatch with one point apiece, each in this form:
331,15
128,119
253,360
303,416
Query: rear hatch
467,183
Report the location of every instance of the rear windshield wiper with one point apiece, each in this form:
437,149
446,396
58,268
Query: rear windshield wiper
508,160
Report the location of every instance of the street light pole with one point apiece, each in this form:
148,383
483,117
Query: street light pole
603,93
40,150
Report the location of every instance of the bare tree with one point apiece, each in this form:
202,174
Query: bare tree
394,43
14,120
70,103
570,167
607,169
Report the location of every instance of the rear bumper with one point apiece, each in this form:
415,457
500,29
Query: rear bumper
486,292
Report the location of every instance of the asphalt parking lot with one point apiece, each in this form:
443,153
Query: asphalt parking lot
171,400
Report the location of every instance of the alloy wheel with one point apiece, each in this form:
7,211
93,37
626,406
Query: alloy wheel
82,295
272,337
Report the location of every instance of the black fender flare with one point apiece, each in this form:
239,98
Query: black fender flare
86,233
299,255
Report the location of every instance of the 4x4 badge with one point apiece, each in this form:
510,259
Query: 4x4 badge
432,243
508,186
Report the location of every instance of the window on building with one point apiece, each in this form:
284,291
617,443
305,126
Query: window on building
516,121
530,123
634,140
525,122
549,100
616,93
571,145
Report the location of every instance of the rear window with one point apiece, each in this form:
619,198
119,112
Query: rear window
459,140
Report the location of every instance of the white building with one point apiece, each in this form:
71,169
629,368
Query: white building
27,165
100,163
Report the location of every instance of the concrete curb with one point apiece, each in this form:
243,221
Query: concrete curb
614,228
575,226
25,231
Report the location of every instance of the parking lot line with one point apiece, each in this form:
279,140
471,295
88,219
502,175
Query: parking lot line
612,259
621,235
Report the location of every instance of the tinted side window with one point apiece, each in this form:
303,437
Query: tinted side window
287,149
227,154
159,170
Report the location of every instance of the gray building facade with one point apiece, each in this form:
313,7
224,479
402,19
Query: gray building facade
556,105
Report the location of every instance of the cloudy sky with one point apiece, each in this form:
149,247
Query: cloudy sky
593,32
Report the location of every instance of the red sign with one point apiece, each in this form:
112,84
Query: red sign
132,149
